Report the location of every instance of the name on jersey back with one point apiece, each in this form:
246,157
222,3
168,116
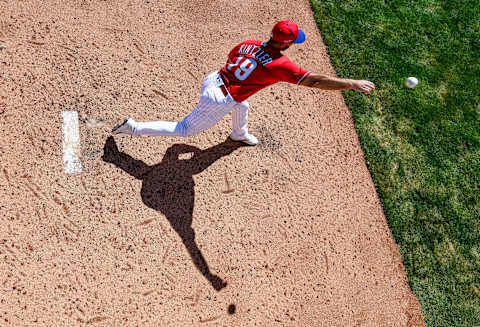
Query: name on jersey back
257,52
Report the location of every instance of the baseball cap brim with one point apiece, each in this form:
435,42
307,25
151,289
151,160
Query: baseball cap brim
301,37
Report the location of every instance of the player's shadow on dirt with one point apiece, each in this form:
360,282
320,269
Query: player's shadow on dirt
169,188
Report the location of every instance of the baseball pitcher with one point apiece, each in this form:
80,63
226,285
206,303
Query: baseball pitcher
251,66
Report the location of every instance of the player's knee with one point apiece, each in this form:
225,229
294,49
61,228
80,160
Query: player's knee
182,129
185,130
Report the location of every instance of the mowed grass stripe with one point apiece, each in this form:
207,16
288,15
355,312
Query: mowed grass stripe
422,145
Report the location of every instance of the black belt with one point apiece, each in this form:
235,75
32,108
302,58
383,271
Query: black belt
224,90
223,87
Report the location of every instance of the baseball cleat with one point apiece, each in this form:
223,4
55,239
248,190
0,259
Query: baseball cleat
127,127
248,139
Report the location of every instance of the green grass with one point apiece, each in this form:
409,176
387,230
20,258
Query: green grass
422,145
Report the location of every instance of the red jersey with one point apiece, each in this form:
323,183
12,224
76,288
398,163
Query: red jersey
252,66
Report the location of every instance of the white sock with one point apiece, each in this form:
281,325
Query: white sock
158,128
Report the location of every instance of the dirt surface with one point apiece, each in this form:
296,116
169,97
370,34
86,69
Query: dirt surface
181,232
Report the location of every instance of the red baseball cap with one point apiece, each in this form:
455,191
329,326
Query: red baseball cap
287,31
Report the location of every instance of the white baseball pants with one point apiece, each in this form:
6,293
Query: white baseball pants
212,107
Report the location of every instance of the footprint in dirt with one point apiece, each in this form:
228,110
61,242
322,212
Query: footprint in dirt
268,142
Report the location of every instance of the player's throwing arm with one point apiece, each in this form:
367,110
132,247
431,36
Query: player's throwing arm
325,82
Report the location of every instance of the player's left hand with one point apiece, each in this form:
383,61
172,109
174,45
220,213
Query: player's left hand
363,86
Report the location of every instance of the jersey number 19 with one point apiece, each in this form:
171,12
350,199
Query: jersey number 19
243,67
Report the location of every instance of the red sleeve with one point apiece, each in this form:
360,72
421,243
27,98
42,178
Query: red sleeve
289,72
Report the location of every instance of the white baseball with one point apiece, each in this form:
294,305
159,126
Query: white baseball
411,82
